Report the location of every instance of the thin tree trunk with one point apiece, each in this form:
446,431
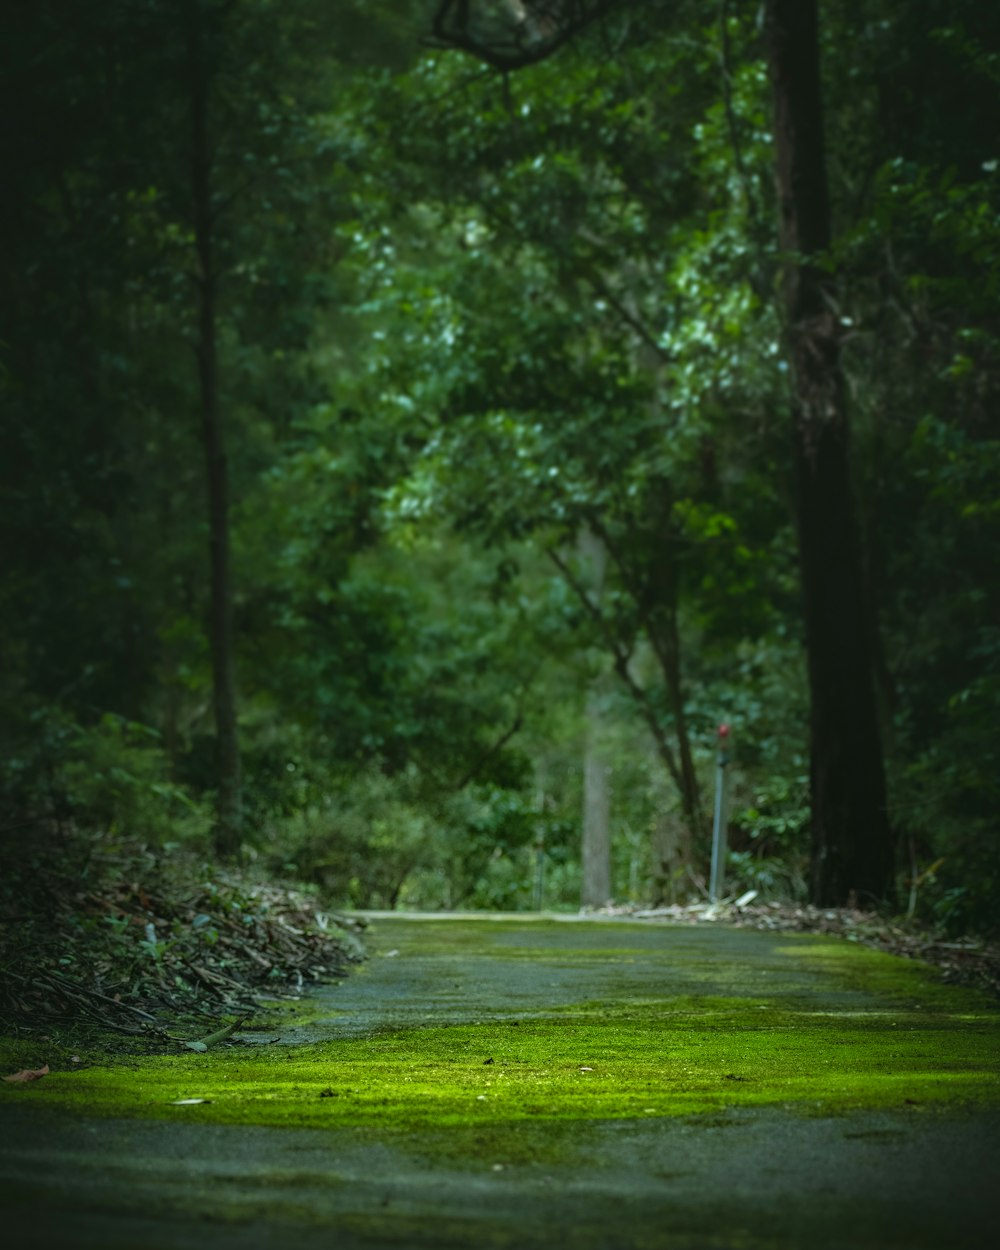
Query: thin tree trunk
852,843
668,649
659,609
228,827
596,883
659,614
595,888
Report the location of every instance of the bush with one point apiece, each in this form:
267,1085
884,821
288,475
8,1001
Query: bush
111,777
384,840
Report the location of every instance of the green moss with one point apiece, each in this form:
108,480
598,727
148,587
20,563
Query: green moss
841,1027
602,1061
860,968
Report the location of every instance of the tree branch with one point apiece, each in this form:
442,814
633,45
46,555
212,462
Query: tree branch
621,659
639,592
536,29
632,320
726,61
492,750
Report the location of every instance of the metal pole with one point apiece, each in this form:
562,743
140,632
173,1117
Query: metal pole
538,885
719,824
539,899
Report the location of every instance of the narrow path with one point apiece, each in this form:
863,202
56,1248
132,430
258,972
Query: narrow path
509,1083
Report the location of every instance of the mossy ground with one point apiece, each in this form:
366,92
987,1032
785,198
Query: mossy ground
677,1029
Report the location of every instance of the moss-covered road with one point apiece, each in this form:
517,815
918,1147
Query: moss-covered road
516,1083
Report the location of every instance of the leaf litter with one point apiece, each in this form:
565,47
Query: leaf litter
136,942
973,961
28,1074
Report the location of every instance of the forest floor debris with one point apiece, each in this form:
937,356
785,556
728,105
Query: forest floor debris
146,944
970,960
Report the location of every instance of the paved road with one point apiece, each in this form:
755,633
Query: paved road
748,1178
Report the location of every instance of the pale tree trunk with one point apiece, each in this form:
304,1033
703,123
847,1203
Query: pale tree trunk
596,884
595,888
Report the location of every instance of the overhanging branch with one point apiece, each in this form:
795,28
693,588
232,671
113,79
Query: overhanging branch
511,34
491,751
620,657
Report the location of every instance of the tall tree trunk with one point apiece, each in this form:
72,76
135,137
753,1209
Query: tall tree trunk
595,888
228,826
852,842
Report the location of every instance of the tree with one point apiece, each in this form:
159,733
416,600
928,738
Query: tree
852,841
164,228
204,198
419,326
595,853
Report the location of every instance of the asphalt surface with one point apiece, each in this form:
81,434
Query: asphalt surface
748,1179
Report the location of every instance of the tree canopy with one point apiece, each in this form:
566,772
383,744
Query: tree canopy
336,341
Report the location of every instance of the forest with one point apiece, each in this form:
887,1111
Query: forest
426,422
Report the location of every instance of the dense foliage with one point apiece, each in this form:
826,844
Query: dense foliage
465,327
